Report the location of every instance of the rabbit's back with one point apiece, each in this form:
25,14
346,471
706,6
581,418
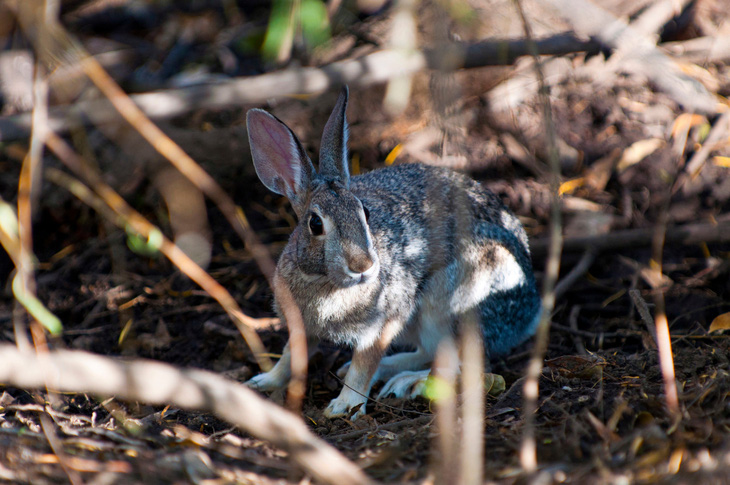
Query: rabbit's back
448,244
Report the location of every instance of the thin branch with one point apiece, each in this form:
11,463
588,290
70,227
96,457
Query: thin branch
717,138
686,234
157,383
126,216
528,449
578,270
644,313
471,455
664,342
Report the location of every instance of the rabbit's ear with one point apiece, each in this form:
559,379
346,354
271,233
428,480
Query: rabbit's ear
333,149
280,161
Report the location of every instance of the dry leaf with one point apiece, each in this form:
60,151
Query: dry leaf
654,278
494,384
599,173
577,366
685,121
721,322
570,185
638,151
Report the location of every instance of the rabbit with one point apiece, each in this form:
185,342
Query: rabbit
397,255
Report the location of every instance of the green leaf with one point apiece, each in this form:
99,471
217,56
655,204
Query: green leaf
437,389
149,247
279,33
314,22
36,308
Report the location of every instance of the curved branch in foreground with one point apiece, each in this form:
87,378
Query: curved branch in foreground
158,383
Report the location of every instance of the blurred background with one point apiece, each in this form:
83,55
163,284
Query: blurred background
638,123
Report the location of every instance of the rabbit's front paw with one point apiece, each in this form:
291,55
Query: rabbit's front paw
344,404
267,381
407,384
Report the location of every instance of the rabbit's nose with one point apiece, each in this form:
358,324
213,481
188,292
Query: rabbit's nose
360,263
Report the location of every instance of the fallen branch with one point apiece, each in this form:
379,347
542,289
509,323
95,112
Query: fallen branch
637,52
157,383
686,234
371,69
701,49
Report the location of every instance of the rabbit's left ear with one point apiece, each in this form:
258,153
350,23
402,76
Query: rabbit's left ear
333,149
280,161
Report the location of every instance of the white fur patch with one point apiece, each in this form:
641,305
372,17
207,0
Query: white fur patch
508,273
336,304
366,338
344,403
414,248
485,280
269,381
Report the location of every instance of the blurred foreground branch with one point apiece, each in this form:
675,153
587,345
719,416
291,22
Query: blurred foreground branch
531,387
157,383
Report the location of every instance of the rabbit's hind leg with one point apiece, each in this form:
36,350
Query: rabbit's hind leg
407,384
406,373
394,364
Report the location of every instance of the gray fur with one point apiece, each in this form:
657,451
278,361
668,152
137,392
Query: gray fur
438,247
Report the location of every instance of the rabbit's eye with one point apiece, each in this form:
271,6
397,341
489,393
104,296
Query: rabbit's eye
315,225
367,213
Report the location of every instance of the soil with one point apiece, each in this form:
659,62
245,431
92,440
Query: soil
602,414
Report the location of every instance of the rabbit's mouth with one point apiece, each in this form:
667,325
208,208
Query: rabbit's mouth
351,278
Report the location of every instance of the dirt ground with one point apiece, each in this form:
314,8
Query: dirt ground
602,414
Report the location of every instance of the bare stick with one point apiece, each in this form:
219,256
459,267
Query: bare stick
49,430
445,370
157,383
644,313
27,185
528,450
700,49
